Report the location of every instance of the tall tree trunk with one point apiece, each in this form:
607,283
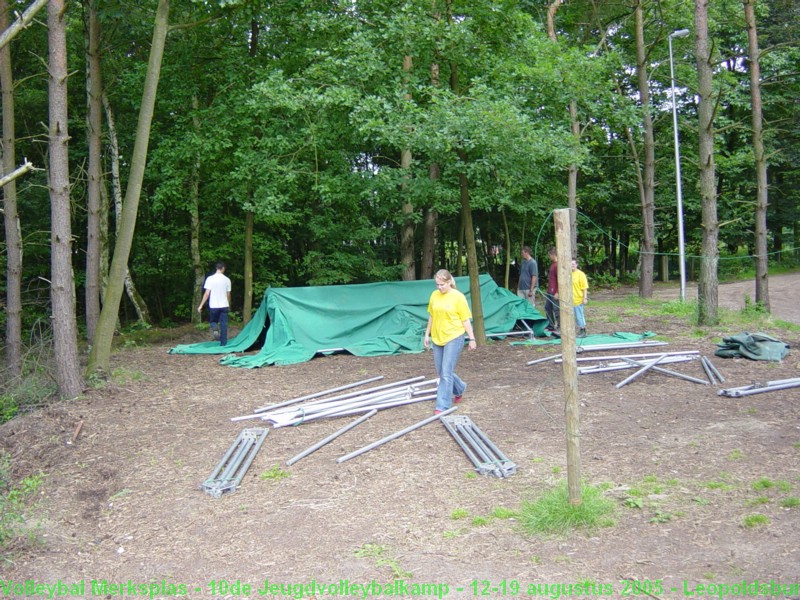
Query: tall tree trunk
479,327
100,356
94,88
248,266
762,198
136,299
194,214
427,267
407,233
62,281
507,260
10,213
647,251
575,128
708,284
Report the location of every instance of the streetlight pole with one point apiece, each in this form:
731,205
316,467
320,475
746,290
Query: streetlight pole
679,194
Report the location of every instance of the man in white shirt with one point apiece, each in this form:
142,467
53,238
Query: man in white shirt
218,293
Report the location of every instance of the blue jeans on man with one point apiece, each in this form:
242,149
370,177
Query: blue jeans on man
445,358
219,317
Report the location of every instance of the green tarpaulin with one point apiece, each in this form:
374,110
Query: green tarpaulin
756,346
370,319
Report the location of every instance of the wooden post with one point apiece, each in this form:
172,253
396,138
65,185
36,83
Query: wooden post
569,360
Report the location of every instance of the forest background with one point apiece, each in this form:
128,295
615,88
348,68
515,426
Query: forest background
322,142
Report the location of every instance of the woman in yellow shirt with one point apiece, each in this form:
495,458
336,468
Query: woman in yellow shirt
448,321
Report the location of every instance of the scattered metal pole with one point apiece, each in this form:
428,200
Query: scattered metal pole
621,365
318,394
714,370
351,410
395,435
760,388
331,437
545,359
668,372
641,371
708,371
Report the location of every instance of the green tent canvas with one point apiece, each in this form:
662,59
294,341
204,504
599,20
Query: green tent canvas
370,319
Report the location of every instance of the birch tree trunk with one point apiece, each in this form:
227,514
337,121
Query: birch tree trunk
100,356
708,284
62,281
762,197
10,213
136,299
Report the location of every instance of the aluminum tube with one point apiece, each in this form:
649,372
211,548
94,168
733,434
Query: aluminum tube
508,334
378,392
707,370
228,453
254,448
714,369
469,436
759,390
367,391
473,458
318,394
545,359
641,371
301,415
353,411
637,356
490,445
675,374
331,437
766,384
395,435
620,366
620,346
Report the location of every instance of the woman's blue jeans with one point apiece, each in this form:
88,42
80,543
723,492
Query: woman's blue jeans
445,358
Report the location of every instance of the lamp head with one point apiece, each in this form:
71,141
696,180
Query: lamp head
679,34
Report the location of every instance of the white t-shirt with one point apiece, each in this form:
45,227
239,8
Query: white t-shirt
219,285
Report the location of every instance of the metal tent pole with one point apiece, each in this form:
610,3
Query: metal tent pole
395,435
331,437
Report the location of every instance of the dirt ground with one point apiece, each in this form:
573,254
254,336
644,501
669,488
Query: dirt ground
685,466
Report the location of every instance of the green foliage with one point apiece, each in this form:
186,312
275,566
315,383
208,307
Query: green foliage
14,500
552,513
382,558
274,473
756,520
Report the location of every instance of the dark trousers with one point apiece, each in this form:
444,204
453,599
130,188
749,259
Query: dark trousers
551,310
220,315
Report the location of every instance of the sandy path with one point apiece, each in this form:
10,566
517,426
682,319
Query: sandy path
732,295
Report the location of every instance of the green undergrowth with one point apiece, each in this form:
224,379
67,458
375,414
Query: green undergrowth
552,514
15,501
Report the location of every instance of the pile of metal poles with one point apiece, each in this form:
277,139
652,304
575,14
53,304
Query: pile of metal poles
230,471
651,362
760,388
408,391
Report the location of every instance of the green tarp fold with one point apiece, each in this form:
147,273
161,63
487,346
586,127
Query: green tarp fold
370,319
756,346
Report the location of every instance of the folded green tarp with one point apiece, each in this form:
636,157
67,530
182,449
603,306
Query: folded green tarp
756,346
370,319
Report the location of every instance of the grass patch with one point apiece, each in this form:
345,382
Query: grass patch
500,512
551,513
382,558
756,520
790,502
275,473
14,500
459,513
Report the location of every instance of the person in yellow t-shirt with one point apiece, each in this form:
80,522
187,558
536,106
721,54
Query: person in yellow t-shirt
448,322
580,296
